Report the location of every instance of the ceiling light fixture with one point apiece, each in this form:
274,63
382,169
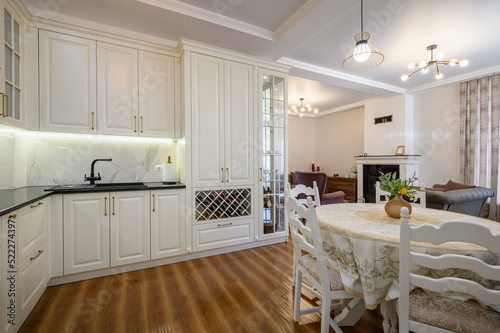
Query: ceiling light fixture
363,55
424,65
302,108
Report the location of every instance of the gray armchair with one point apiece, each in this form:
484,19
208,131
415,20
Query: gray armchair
470,201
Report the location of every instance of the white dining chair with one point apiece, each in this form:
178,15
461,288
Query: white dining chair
301,193
380,196
421,311
311,262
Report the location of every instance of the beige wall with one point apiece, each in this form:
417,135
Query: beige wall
301,143
437,135
339,136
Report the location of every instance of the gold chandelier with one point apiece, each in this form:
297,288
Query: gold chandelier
363,55
424,65
302,108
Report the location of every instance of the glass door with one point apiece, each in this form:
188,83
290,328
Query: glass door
273,159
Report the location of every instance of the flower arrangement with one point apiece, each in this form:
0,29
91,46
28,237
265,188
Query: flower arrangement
354,168
398,187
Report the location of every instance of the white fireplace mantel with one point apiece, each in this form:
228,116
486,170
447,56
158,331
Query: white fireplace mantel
408,164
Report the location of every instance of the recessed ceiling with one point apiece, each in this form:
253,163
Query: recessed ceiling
313,36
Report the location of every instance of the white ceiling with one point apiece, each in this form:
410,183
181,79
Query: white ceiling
313,37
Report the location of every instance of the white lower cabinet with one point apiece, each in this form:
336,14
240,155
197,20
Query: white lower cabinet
129,227
32,227
86,232
168,231
222,233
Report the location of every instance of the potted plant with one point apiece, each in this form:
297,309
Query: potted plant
397,188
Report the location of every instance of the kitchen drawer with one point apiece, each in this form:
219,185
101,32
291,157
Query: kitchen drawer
221,234
33,275
32,229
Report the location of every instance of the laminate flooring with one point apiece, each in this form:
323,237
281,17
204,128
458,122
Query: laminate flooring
244,291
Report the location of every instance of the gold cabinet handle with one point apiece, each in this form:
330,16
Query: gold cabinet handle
12,216
260,174
135,124
38,204
93,127
227,179
38,254
113,205
224,224
153,202
142,126
105,206
3,113
222,175
5,97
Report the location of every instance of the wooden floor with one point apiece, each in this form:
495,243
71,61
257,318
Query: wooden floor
245,291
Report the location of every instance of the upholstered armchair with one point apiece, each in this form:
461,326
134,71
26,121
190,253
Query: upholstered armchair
307,179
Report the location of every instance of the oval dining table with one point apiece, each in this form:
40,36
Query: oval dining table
364,242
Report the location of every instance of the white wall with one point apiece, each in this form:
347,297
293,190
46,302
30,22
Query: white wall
437,135
383,139
301,143
7,157
339,137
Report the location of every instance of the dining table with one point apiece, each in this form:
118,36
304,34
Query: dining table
363,241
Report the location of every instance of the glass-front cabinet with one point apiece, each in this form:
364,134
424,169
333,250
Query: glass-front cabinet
273,155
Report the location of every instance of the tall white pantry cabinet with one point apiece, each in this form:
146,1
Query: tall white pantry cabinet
224,103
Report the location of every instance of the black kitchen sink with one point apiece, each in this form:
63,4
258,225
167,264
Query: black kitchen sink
130,184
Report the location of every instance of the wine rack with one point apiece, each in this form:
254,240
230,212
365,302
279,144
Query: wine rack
220,204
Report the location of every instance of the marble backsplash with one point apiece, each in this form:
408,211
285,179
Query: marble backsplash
62,157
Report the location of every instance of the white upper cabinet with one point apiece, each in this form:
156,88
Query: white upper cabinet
156,95
67,83
222,122
117,86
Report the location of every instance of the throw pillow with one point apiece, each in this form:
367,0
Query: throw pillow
451,185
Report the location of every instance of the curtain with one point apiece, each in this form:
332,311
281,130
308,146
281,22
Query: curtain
479,128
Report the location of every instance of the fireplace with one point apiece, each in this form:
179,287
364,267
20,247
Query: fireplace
371,172
369,168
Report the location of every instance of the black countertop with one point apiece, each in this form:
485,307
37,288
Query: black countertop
12,199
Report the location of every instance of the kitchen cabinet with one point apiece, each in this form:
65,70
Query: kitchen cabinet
136,92
32,227
11,74
67,83
105,229
222,95
86,232
273,154
168,231
129,227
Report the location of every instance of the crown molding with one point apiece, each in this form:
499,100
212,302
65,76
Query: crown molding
212,17
297,16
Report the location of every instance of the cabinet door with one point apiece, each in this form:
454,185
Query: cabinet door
32,228
168,230
67,83
117,86
86,232
130,227
238,123
207,93
156,95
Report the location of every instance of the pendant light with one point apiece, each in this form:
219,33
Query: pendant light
363,55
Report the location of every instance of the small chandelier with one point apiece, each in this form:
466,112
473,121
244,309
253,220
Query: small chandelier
302,108
424,65
363,55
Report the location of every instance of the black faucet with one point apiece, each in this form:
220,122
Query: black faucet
92,177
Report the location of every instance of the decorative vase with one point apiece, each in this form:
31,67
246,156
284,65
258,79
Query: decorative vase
393,207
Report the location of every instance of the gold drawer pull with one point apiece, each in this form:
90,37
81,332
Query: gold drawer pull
12,216
135,124
260,174
39,253
224,224
227,179
38,204
105,206
113,205
93,121
222,175
153,202
142,126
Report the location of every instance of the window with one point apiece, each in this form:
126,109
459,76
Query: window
12,65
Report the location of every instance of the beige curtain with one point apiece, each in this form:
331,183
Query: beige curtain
479,128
